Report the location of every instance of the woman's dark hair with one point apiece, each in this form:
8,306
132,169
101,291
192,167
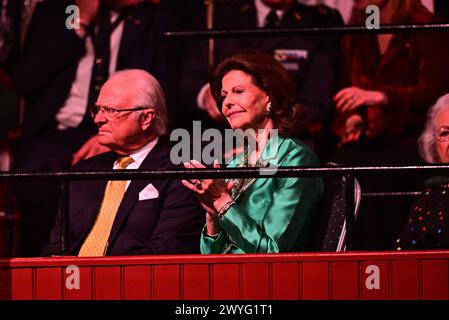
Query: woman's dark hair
270,76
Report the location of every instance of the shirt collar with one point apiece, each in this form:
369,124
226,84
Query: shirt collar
140,154
262,12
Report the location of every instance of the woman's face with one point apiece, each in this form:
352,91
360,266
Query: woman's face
442,132
244,103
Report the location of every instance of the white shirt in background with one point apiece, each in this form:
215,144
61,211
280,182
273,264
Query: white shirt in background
72,112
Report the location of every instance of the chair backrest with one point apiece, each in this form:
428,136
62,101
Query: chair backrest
331,225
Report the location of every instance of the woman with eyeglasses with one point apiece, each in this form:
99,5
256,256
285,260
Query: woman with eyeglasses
427,224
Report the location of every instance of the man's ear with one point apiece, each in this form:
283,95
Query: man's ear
146,118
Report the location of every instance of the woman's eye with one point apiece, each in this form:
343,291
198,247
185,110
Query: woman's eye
444,133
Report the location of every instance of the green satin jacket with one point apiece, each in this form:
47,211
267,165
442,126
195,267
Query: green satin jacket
271,215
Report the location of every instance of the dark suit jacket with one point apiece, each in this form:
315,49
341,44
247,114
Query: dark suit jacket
315,76
44,71
169,224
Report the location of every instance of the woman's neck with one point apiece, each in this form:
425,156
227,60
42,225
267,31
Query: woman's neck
261,138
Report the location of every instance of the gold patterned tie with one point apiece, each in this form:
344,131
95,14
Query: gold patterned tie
95,243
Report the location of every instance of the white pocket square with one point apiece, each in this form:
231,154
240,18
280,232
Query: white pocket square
149,192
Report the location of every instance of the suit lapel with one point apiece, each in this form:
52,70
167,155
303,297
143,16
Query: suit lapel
133,29
152,161
246,18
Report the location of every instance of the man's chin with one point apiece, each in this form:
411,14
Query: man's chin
104,141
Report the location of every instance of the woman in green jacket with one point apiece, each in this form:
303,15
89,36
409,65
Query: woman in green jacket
255,94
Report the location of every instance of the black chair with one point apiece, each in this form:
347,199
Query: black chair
332,230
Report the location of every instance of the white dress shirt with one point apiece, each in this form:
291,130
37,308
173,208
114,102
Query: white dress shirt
72,112
138,156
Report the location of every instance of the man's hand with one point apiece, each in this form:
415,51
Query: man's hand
211,106
89,149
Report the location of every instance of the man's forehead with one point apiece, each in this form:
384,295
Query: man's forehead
115,95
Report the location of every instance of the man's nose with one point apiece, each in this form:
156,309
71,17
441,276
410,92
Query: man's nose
99,117
228,101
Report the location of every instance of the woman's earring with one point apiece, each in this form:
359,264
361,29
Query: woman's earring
268,110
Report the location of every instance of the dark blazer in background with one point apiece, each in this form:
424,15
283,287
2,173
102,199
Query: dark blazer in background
168,224
315,76
44,71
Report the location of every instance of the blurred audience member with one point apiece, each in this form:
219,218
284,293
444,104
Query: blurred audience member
389,82
312,61
427,224
344,7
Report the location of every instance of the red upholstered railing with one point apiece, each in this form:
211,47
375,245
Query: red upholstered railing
358,275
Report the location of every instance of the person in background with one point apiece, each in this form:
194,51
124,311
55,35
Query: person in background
388,83
130,217
427,223
312,61
255,94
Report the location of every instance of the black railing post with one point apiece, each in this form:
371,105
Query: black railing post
350,207
64,215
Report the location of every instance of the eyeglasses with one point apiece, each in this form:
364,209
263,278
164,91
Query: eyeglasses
442,134
111,113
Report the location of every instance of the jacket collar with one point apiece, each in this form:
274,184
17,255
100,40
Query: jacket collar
268,158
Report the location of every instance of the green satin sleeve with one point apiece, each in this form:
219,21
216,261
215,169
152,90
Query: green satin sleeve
211,245
284,225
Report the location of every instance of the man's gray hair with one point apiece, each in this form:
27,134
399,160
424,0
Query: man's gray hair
147,92
426,142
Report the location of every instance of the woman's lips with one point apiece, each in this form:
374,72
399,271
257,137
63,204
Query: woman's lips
234,113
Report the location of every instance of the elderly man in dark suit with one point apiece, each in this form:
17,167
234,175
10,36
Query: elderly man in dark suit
59,73
137,217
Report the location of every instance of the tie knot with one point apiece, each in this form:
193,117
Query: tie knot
123,162
272,20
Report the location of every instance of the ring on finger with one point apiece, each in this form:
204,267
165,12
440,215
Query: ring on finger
199,185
